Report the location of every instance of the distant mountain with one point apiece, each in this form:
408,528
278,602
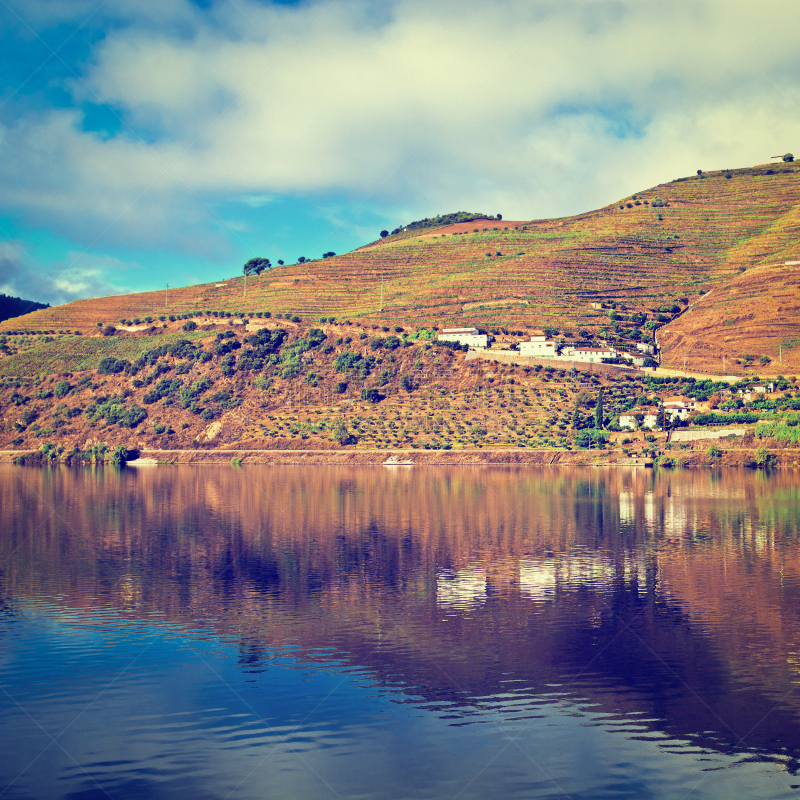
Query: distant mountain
16,307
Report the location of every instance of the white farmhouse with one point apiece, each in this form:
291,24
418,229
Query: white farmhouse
680,407
590,355
639,418
468,336
538,346
645,347
628,421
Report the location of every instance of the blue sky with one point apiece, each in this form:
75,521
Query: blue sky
152,141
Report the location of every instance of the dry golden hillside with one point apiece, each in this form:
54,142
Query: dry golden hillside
756,313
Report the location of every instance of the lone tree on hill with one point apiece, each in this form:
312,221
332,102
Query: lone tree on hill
255,266
785,157
384,234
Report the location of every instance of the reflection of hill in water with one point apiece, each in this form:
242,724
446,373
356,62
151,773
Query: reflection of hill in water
672,598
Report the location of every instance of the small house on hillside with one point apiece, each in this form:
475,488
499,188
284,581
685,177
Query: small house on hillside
636,359
590,355
677,401
638,419
675,409
539,346
468,336
644,347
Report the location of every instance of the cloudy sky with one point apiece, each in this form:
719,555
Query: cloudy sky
152,141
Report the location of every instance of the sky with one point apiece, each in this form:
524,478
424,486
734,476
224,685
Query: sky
146,142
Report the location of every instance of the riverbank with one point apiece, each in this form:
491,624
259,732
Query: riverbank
733,457
377,457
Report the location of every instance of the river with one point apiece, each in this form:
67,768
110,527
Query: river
346,632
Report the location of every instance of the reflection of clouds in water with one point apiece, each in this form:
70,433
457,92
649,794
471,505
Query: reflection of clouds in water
463,587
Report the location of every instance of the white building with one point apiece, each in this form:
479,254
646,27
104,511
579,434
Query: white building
539,346
681,404
675,408
639,418
676,411
644,347
590,355
468,336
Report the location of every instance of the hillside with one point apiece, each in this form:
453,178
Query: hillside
288,386
649,255
751,320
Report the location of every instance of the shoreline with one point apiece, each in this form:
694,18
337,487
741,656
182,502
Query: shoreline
376,457
734,457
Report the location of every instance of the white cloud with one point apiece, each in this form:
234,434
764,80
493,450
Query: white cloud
80,275
527,108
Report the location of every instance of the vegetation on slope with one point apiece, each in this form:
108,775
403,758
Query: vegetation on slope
293,386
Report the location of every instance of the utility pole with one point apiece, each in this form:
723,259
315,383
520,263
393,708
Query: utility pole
166,296
381,308
245,286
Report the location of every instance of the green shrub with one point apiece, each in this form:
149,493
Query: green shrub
61,389
763,458
340,433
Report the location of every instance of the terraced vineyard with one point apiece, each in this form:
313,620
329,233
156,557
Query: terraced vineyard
677,240
750,323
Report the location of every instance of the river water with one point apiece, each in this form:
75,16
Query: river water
282,632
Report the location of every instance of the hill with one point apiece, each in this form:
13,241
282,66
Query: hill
619,271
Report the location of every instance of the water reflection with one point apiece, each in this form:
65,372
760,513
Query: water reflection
664,605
